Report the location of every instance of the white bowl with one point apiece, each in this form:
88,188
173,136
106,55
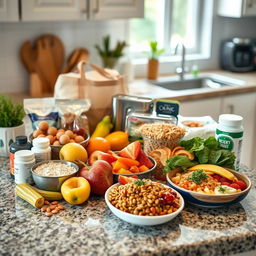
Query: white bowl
143,220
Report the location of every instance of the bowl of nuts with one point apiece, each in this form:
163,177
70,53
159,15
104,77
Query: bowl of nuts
59,137
49,175
144,202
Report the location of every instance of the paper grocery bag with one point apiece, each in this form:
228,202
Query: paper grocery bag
98,85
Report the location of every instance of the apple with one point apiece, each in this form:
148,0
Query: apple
99,175
75,190
73,152
99,155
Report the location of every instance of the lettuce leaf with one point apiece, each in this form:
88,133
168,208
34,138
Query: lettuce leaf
206,152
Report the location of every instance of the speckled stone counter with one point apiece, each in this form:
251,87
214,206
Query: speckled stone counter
91,229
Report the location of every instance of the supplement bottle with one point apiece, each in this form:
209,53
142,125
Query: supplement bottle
229,134
42,150
21,143
23,162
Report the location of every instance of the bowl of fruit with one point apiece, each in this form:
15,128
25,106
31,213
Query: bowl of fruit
59,137
164,204
130,161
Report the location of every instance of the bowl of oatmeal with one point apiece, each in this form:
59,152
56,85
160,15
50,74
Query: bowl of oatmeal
49,175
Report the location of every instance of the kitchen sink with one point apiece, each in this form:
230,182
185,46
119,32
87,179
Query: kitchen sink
212,81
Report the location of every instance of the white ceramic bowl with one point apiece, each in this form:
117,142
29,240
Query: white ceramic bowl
142,220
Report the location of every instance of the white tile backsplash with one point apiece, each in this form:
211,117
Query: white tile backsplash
14,77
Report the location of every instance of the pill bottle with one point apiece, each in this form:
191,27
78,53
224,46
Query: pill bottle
21,143
23,162
42,150
229,134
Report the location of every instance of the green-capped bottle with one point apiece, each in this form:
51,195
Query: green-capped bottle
229,134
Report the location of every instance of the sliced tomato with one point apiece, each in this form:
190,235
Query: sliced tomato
125,179
241,184
225,183
216,177
235,186
222,179
131,151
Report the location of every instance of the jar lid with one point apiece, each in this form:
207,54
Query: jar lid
24,155
230,120
21,140
41,142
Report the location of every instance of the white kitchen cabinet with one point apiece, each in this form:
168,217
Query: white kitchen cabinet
9,10
237,8
109,9
61,10
206,107
54,10
245,106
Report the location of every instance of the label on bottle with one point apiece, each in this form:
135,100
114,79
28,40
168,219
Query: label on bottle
42,156
231,141
23,173
11,156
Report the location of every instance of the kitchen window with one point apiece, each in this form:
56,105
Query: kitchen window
170,22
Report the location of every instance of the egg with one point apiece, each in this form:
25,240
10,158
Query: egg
41,136
36,133
79,139
56,143
52,131
51,138
43,126
64,139
59,134
70,134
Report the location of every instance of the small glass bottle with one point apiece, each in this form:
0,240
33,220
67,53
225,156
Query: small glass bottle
21,143
229,134
23,162
42,150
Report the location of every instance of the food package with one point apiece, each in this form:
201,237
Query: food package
72,115
203,127
41,109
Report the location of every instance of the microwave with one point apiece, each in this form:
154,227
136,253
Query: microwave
238,55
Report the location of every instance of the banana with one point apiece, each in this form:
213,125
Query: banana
49,195
215,169
27,193
103,128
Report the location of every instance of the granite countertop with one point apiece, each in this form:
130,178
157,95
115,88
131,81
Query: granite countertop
91,229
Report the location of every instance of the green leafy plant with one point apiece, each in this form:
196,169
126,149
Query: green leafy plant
11,113
154,51
105,51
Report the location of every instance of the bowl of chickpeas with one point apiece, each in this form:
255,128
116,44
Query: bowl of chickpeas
59,137
144,202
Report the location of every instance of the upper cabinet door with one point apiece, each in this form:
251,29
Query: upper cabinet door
116,9
9,10
54,10
237,8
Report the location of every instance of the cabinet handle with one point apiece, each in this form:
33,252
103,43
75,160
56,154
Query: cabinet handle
231,109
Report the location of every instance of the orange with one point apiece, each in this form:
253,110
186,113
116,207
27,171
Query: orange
118,140
98,143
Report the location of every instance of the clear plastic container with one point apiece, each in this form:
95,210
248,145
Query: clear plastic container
135,119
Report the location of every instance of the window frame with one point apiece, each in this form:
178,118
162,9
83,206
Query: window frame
203,40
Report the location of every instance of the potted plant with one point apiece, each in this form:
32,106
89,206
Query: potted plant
11,124
153,62
109,56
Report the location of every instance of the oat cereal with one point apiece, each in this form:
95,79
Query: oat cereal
53,169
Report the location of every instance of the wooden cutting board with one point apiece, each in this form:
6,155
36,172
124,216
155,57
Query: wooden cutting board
74,58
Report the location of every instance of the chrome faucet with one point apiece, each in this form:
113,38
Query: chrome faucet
181,70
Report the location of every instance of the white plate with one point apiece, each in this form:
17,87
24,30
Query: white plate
143,220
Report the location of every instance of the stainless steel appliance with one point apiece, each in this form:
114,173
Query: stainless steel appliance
238,55
122,105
